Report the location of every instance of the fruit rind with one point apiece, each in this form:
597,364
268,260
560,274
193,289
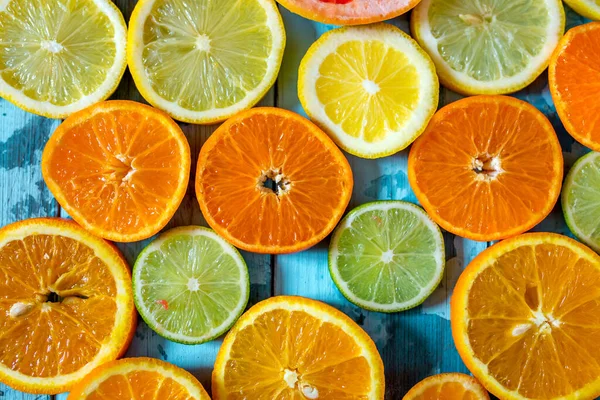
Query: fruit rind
463,84
314,308
385,205
459,300
135,46
108,87
394,141
126,317
154,246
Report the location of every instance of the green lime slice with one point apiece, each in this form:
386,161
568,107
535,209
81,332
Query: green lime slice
387,256
581,200
190,285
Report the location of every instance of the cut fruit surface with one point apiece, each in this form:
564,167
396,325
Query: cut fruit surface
349,12
119,168
269,181
296,348
588,8
58,57
387,256
487,167
581,200
448,387
574,80
488,46
525,320
371,88
139,379
66,304
190,285
202,61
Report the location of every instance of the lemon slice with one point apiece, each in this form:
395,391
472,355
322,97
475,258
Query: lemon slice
371,88
202,61
58,57
489,46
588,8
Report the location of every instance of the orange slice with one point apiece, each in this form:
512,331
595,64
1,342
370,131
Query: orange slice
119,168
270,181
349,12
574,80
66,304
139,379
526,318
487,167
448,387
295,348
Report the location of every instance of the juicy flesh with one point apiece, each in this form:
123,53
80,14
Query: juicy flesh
190,285
219,49
368,88
447,391
578,82
140,385
317,182
584,199
538,334
57,305
119,169
487,167
353,10
387,256
292,355
55,51
489,39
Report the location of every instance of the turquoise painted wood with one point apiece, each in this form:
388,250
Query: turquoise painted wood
413,344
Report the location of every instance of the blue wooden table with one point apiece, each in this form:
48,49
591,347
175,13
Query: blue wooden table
413,344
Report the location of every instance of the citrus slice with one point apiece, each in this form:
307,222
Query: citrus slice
139,379
119,168
525,319
387,256
581,200
448,387
349,12
269,181
203,61
371,88
574,80
190,285
66,304
60,57
290,347
487,168
588,8
488,46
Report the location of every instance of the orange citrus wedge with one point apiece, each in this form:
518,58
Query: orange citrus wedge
139,379
270,181
296,348
526,318
448,387
66,304
119,168
574,80
487,167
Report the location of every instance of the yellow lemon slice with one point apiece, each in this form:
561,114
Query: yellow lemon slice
588,8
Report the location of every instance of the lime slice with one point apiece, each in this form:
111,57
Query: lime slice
371,88
202,61
489,46
58,57
190,285
387,256
581,200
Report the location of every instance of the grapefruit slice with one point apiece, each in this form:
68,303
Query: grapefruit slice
66,304
349,12
270,181
525,318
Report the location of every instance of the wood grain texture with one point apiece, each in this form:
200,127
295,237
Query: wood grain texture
413,344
